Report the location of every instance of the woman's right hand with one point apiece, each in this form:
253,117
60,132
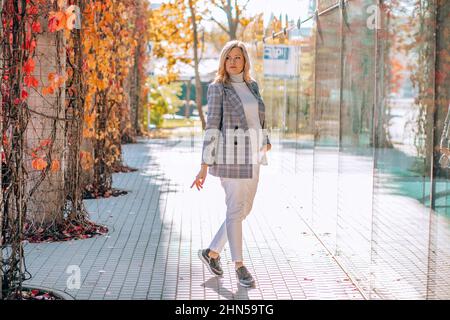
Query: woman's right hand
201,177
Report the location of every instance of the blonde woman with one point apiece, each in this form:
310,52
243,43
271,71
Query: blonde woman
234,147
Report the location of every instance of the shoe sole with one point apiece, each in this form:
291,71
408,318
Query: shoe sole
243,284
205,262
246,285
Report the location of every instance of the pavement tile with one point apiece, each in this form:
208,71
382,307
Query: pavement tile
157,228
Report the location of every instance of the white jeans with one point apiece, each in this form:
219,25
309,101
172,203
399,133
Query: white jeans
239,196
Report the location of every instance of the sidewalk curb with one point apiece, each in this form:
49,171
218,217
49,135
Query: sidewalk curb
60,294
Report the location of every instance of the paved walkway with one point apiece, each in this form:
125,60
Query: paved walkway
157,228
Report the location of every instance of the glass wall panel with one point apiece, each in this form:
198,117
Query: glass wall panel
439,249
402,168
326,144
281,70
325,4
361,139
304,164
355,181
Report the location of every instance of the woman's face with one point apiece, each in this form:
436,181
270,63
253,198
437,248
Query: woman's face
234,62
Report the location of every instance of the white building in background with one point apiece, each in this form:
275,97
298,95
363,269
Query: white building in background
207,69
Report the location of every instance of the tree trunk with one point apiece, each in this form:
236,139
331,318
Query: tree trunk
137,91
187,111
74,128
198,84
1,171
232,23
14,175
1,174
47,197
102,169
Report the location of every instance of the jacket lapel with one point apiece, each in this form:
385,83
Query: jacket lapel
261,107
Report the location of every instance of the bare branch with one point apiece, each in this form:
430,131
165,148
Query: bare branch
240,10
220,25
203,46
223,6
244,7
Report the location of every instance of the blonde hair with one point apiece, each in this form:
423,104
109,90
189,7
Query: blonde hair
222,75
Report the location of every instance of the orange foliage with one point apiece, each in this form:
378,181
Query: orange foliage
39,164
172,38
109,45
397,75
86,160
55,165
55,81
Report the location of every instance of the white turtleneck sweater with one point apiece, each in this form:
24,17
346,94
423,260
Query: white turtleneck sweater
251,109
248,100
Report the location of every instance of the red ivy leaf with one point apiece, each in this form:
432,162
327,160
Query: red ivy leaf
33,10
24,94
29,66
45,142
30,45
56,21
30,81
36,27
53,24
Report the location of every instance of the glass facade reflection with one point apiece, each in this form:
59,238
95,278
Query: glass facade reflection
361,136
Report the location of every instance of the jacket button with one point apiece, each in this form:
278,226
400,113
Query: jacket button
235,128
235,143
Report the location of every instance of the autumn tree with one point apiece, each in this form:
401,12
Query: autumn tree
171,36
253,35
195,19
216,37
141,36
109,48
17,48
174,34
234,13
33,74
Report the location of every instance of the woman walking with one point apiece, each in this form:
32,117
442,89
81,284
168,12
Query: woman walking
234,147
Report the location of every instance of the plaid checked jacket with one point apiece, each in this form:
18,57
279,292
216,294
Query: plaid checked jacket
226,146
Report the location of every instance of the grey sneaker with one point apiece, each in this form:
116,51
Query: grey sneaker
213,264
244,277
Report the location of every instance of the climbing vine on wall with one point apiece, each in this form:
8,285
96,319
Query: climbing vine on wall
20,26
62,82
109,48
